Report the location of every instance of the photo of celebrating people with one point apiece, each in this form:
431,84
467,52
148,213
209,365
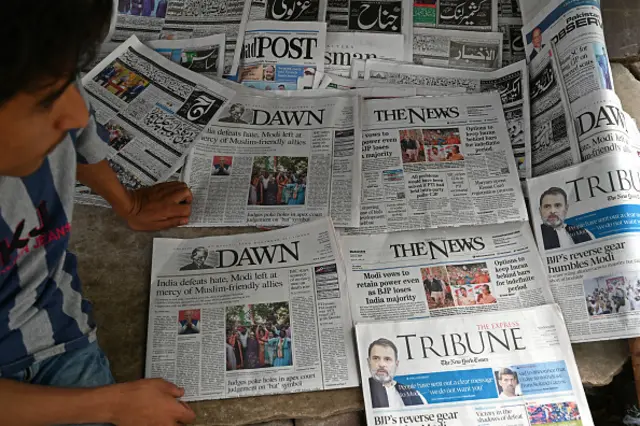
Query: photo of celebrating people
189,321
471,284
437,287
615,294
258,336
119,136
278,181
555,412
412,146
439,154
121,81
441,137
221,165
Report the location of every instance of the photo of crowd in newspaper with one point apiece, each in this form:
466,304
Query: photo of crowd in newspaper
480,370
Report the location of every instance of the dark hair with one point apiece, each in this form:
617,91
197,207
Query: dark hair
554,190
385,343
56,40
486,286
283,333
508,372
202,249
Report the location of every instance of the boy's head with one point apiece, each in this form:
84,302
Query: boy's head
39,101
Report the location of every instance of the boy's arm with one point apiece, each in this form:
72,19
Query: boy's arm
139,403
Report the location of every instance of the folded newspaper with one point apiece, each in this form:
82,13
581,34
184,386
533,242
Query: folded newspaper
429,162
153,110
586,220
274,161
481,15
251,314
414,274
499,368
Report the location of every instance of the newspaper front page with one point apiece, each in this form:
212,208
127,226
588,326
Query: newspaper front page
414,274
454,49
275,53
512,82
153,109
141,18
372,16
481,15
203,55
430,162
196,18
513,368
275,161
252,314
586,220
343,47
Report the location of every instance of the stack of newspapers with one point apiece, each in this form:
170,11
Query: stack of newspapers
394,146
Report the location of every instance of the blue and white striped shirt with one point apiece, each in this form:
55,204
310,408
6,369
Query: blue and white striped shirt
42,312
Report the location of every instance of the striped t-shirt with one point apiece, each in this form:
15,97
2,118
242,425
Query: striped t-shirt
42,312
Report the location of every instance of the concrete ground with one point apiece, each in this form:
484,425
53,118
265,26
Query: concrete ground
115,266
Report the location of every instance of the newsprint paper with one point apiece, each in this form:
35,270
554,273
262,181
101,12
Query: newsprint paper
437,161
153,109
274,161
479,15
586,220
414,274
513,368
254,314
343,47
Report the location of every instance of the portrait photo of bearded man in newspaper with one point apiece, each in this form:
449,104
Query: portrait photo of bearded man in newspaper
553,212
385,391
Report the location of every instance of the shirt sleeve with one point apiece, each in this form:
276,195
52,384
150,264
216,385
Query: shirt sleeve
91,141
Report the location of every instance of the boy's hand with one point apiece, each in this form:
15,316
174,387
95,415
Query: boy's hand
147,402
162,206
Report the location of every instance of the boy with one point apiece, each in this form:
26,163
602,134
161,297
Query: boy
51,368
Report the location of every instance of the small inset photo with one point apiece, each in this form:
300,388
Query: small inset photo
189,321
469,273
508,384
197,260
464,295
613,294
553,413
437,287
447,136
221,165
119,136
121,81
411,145
452,153
278,181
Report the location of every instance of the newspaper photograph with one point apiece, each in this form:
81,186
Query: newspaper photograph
479,15
144,19
276,161
512,368
203,55
343,47
153,111
372,16
511,82
254,314
275,53
468,50
196,18
415,274
585,220
430,162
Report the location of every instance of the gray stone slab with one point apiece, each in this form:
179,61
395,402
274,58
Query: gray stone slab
600,362
627,88
356,418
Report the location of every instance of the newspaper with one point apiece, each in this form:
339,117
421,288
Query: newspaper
252,314
512,82
406,275
512,43
197,18
430,162
497,368
274,161
342,47
203,55
153,110
586,223
142,18
372,16
479,15
275,54
480,51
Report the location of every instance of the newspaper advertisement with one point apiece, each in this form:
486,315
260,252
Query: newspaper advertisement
142,18
512,82
297,158
430,162
372,16
253,314
415,274
196,18
512,368
153,110
480,51
479,15
203,55
343,47
586,223
275,53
